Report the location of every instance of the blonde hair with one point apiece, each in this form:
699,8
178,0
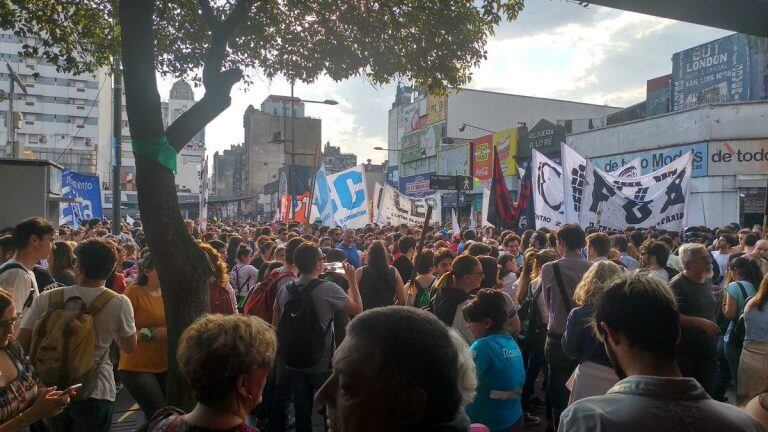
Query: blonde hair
217,349
596,280
218,266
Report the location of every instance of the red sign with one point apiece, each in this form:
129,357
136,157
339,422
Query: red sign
482,158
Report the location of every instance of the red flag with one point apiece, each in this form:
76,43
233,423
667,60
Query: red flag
502,212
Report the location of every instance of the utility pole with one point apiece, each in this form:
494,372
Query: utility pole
117,145
12,142
293,153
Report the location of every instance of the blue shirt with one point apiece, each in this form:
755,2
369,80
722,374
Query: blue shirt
756,323
353,256
500,369
734,291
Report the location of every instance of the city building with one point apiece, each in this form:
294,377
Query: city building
713,104
65,117
336,161
275,140
226,179
439,134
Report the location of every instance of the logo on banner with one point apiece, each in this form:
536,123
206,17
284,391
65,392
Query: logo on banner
549,184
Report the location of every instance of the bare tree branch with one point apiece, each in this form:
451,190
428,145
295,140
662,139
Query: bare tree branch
218,84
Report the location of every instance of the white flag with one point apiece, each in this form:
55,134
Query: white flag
547,185
472,221
455,224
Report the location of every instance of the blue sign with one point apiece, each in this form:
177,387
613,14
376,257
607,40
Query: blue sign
85,191
716,71
392,176
653,160
416,186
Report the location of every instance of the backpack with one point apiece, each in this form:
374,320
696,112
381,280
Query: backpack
533,329
736,339
261,299
300,336
64,342
31,297
221,299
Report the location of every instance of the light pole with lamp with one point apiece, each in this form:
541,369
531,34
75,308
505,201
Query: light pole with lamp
292,153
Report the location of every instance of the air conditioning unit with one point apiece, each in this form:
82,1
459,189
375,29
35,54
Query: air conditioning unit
88,142
43,139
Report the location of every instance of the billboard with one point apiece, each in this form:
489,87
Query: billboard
654,160
544,137
86,194
657,95
482,158
416,186
408,120
454,161
505,143
422,143
738,157
436,108
716,71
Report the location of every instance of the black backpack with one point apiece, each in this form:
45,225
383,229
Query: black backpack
533,329
300,336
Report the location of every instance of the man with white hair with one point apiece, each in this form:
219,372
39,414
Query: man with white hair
760,254
696,354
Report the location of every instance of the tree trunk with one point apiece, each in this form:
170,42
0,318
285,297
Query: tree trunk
181,266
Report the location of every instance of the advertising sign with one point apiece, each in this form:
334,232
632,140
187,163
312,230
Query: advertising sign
505,143
657,95
416,186
544,137
87,194
422,143
409,119
716,71
392,175
482,158
654,160
436,108
454,161
738,157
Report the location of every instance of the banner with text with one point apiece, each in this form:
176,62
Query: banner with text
656,200
85,191
341,199
395,208
547,182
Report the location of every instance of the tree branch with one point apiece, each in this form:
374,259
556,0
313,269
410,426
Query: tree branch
218,84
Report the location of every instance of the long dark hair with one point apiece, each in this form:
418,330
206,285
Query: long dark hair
489,304
377,257
146,263
234,244
748,269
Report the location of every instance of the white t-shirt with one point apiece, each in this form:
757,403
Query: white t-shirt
115,319
660,274
722,261
18,282
243,277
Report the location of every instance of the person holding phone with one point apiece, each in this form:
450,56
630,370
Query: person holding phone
23,398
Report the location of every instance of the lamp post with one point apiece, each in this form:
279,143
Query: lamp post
284,139
466,125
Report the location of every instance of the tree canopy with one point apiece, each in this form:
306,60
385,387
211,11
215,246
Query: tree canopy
433,43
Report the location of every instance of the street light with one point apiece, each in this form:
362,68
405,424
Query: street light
464,126
383,149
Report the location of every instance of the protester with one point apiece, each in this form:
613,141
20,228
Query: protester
112,320
507,274
598,247
226,361
513,247
654,256
421,290
559,280
594,375
324,299
723,253
746,276
399,370
266,250
220,292
380,284
443,259
348,246
638,322
143,370
453,292
62,264
696,352
620,243
33,241
404,263
752,370
498,362
243,275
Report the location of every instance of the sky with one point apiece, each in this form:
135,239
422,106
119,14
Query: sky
555,49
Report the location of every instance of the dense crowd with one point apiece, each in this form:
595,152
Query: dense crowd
391,328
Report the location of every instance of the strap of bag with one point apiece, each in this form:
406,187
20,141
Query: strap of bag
743,291
98,304
561,287
10,266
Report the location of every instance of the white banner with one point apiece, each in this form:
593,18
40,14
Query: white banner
574,171
655,200
547,184
395,208
341,198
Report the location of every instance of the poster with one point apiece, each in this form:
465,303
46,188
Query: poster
85,190
421,143
738,157
657,200
436,108
717,71
346,202
408,120
482,158
505,143
454,161
416,186
392,207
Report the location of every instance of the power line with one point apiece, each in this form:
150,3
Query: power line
87,116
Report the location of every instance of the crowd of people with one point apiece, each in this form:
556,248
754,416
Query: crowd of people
391,328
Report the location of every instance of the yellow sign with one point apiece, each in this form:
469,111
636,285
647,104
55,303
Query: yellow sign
436,108
505,143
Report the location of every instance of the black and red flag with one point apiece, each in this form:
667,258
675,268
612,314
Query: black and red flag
524,209
501,210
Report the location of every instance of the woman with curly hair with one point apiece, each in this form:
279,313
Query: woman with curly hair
222,296
226,361
594,375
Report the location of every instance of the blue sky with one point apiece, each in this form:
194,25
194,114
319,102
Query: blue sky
555,49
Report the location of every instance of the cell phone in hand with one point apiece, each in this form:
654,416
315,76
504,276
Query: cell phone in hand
73,388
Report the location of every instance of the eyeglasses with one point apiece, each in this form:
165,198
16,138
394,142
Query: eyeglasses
6,324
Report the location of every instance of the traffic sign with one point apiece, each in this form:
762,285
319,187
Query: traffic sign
442,182
464,183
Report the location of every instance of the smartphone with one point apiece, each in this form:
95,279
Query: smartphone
75,388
